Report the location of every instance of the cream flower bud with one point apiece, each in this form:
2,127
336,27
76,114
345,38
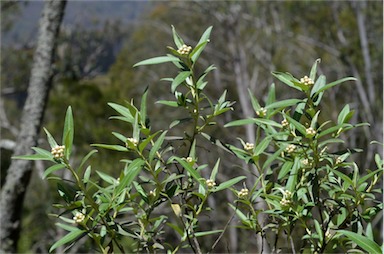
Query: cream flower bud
310,132
58,152
79,217
184,50
243,193
306,81
134,141
248,146
261,112
210,183
284,123
290,149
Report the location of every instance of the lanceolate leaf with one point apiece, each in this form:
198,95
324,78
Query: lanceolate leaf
68,132
364,242
176,38
68,238
158,60
228,183
131,171
52,169
190,169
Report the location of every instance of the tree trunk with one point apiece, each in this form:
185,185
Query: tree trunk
19,172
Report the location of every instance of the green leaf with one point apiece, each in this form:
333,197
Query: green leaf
158,60
197,234
84,160
255,103
33,157
68,238
364,242
286,78
131,170
259,149
334,84
111,147
156,146
229,183
143,107
87,174
176,38
319,84
168,103
345,115
287,166
190,169
204,39
312,74
122,111
52,142
239,214
292,179
52,169
283,103
68,132
180,78
107,178
215,170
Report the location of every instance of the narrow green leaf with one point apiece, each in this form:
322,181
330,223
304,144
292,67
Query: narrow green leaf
239,122
342,117
168,103
111,147
215,170
158,60
198,234
292,179
52,142
107,178
52,169
43,152
68,238
239,214
286,78
319,84
33,157
334,84
87,174
259,149
287,166
180,78
190,169
176,38
364,242
68,132
283,103
86,157
143,107
255,103
122,111
229,183
271,94
312,74
131,170
204,39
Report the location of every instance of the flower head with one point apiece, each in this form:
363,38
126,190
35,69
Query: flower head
310,132
261,112
134,141
210,183
79,217
58,152
184,50
284,123
290,149
248,146
286,200
243,193
306,81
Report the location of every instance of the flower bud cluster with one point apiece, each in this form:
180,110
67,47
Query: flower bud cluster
290,149
339,160
243,193
287,195
310,132
133,141
262,112
58,152
189,159
306,81
79,217
210,183
248,146
284,123
184,50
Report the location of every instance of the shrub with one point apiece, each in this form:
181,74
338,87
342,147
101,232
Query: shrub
306,186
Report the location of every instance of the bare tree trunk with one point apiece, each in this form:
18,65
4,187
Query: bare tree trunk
19,172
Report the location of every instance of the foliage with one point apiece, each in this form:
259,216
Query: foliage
306,184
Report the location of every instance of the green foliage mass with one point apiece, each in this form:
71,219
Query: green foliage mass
302,185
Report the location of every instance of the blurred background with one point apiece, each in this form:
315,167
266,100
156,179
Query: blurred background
100,41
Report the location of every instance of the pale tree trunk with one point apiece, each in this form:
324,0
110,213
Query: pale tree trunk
19,172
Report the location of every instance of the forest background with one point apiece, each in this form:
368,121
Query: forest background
100,41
